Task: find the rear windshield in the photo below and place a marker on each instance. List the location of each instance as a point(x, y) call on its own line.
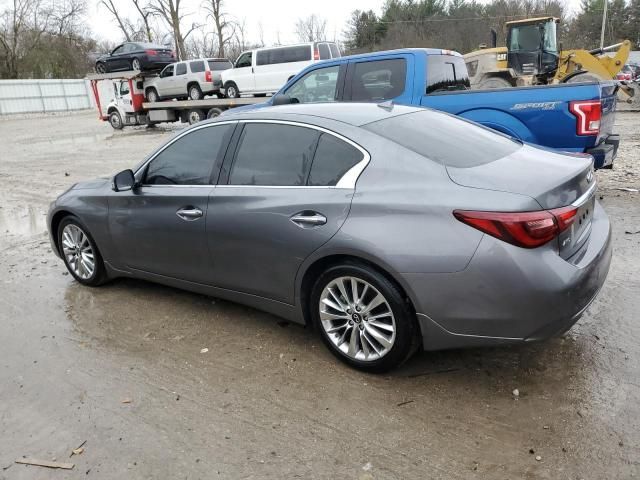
point(324, 51)
point(445, 139)
point(445, 73)
point(219, 64)
point(335, 52)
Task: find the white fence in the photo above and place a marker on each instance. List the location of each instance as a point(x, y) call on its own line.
point(41, 96)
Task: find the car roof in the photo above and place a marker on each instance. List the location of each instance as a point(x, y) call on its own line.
point(356, 114)
point(428, 51)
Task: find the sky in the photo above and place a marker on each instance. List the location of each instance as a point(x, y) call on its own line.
point(276, 18)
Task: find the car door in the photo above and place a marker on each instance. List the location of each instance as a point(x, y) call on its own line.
point(159, 226)
point(114, 60)
point(380, 79)
point(242, 73)
point(165, 81)
point(180, 77)
point(277, 202)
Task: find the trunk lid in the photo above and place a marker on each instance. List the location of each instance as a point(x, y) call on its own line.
point(553, 179)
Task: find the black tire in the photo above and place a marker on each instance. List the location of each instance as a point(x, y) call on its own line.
point(494, 82)
point(116, 120)
point(231, 90)
point(135, 64)
point(195, 115)
point(195, 93)
point(260, 95)
point(213, 112)
point(405, 320)
point(101, 68)
point(152, 95)
point(608, 167)
point(99, 275)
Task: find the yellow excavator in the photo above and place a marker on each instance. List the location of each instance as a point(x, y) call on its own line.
point(532, 57)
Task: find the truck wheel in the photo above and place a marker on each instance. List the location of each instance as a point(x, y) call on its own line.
point(101, 67)
point(231, 90)
point(135, 64)
point(116, 120)
point(152, 95)
point(194, 92)
point(195, 115)
point(583, 77)
point(494, 82)
point(213, 112)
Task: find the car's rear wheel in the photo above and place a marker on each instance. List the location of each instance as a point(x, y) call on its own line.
point(80, 253)
point(213, 112)
point(195, 93)
point(152, 95)
point(101, 67)
point(135, 64)
point(116, 120)
point(231, 90)
point(363, 317)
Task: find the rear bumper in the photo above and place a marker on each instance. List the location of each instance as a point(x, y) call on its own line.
point(211, 87)
point(605, 153)
point(511, 295)
point(152, 62)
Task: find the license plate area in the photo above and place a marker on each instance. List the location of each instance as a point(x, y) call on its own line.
point(578, 233)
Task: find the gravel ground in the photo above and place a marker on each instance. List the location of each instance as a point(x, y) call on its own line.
point(120, 366)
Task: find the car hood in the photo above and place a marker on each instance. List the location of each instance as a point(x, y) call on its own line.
point(92, 184)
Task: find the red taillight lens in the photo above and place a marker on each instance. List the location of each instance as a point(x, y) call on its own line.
point(316, 54)
point(151, 52)
point(207, 75)
point(173, 54)
point(588, 114)
point(523, 229)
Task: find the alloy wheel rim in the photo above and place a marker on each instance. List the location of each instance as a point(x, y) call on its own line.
point(78, 251)
point(357, 318)
point(195, 94)
point(231, 92)
point(194, 117)
point(135, 64)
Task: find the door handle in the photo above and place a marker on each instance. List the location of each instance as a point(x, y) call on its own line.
point(309, 219)
point(189, 213)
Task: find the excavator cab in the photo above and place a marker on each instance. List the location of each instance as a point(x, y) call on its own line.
point(532, 48)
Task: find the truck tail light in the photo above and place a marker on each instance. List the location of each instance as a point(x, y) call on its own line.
point(522, 229)
point(316, 54)
point(207, 76)
point(588, 114)
point(151, 53)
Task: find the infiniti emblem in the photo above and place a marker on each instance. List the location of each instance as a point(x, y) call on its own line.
point(356, 317)
point(590, 176)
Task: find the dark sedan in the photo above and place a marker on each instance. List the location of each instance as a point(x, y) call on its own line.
point(135, 56)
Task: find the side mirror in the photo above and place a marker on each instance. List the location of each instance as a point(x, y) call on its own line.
point(282, 99)
point(123, 181)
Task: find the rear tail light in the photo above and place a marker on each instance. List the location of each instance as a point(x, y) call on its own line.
point(522, 229)
point(173, 54)
point(316, 54)
point(151, 52)
point(588, 114)
point(207, 76)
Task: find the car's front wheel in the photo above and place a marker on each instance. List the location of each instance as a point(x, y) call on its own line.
point(195, 93)
point(152, 95)
point(116, 120)
point(80, 253)
point(363, 317)
point(231, 90)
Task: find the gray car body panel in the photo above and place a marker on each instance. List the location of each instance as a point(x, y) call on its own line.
point(467, 288)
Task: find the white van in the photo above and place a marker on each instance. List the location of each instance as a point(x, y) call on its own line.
point(264, 70)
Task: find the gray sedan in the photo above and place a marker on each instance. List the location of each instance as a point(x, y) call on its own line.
point(387, 228)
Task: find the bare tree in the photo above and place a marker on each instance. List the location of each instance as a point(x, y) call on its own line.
point(224, 28)
point(122, 22)
point(169, 12)
point(311, 29)
point(145, 13)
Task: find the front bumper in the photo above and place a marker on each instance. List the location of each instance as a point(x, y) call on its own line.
point(605, 153)
point(510, 295)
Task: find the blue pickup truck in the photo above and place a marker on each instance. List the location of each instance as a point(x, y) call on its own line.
point(570, 117)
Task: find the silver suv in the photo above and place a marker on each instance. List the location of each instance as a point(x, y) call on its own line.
point(192, 79)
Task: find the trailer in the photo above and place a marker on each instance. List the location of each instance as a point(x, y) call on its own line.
point(120, 100)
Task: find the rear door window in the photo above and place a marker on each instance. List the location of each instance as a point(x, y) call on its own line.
point(445, 139)
point(295, 54)
point(446, 73)
point(262, 57)
point(335, 51)
point(333, 158)
point(378, 80)
point(273, 154)
point(181, 69)
point(197, 66)
point(190, 160)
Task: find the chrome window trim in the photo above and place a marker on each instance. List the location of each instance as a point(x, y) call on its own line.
point(585, 196)
point(347, 181)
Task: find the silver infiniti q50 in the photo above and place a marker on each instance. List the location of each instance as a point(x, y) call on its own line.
point(386, 228)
